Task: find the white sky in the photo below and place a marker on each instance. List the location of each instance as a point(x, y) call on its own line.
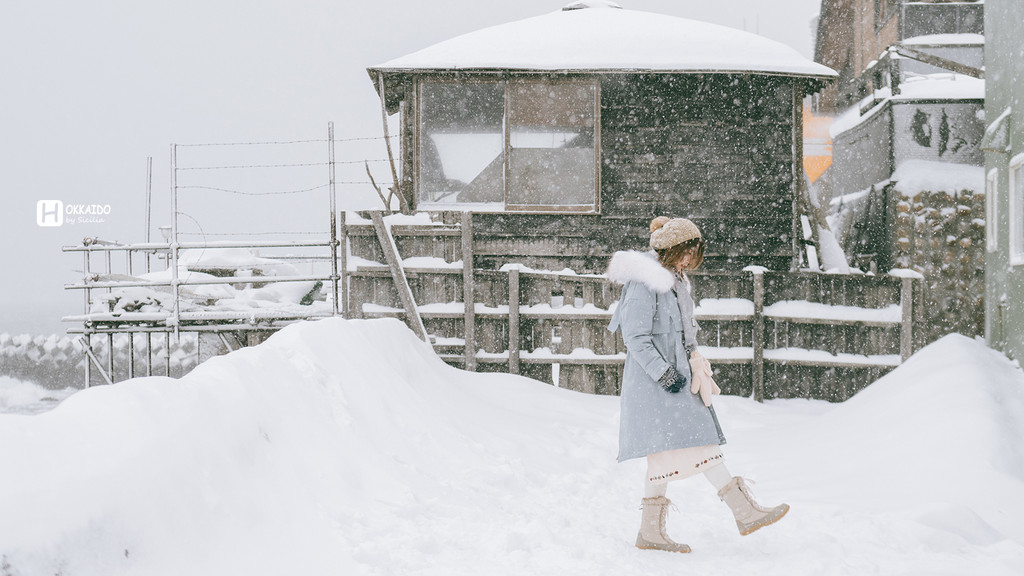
point(91, 89)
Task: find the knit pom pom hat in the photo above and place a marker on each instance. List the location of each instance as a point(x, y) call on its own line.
point(667, 232)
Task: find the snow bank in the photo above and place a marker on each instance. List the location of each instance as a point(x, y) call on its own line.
point(347, 447)
point(914, 176)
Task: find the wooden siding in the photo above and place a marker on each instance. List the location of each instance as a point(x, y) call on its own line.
point(717, 148)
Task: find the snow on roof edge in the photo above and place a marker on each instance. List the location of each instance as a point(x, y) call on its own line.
point(372, 70)
point(608, 41)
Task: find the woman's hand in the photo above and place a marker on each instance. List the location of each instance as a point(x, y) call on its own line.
point(671, 381)
point(703, 382)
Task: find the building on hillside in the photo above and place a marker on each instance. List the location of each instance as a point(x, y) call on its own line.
point(1004, 164)
point(584, 123)
point(868, 42)
point(936, 117)
point(909, 102)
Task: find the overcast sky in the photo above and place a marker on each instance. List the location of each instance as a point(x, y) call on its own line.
point(90, 89)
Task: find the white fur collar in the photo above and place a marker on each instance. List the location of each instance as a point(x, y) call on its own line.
point(643, 267)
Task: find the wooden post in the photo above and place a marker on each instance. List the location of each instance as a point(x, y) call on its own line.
point(468, 298)
point(907, 326)
point(797, 171)
point(343, 256)
point(513, 321)
point(757, 337)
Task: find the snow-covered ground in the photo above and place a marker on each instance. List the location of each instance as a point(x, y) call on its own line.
point(347, 447)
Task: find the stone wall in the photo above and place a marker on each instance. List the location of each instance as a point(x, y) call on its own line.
point(941, 234)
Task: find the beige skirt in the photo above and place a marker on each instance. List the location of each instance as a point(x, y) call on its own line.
point(678, 464)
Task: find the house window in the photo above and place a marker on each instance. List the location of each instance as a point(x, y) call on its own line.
point(462, 142)
point(991, 200)
point(1016, 192)
point(523, 144)
point(883, 10)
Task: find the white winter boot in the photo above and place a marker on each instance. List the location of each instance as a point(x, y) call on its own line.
point(750, 515)
point(652, 527)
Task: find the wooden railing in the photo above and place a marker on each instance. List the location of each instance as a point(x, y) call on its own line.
point(768, 333)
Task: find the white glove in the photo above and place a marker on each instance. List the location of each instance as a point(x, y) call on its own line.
point(701, 377)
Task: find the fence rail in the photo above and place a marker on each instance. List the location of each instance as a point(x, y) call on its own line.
point(768, 333)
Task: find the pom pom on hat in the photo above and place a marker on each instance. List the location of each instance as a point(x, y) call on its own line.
point(667, 232)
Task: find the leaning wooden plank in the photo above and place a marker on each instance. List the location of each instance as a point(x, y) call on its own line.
point(387, 243)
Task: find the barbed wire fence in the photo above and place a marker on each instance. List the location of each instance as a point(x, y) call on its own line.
point(271, 198)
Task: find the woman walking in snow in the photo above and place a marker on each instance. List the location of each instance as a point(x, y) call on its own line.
point(666, 411)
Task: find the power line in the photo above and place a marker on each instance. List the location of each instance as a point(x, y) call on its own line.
point(284, 142)
point(269, 143)
point(254, 166)
point(282, 193)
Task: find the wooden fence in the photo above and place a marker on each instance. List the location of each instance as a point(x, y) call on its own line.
point(769, 334)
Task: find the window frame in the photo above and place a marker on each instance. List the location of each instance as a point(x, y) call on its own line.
point(506, 80)
point(1016, 236)
point(992, 210)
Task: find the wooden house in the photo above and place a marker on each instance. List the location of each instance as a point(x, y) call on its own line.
point(1004, 179)
point(567, 132)
point(538, 148)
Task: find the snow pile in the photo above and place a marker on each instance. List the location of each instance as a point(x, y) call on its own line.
point(347, 447)
point(222, 279)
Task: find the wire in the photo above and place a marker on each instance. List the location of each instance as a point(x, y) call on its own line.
point(253, 193)
point(254, 166)
point(367, 138)
point(282, 142)
point(361, 161)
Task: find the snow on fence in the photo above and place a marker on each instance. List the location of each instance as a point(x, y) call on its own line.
point(224, 296)
point(770, 334)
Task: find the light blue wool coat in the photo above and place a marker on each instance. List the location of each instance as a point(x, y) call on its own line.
point(656, 317)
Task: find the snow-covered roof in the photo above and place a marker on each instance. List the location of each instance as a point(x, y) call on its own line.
point(940, 86)
point(600, 36)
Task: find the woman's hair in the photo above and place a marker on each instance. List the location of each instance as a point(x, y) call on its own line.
point(669, 256)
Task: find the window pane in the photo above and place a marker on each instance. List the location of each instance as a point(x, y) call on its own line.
point(461, 142)
point(551, 135)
